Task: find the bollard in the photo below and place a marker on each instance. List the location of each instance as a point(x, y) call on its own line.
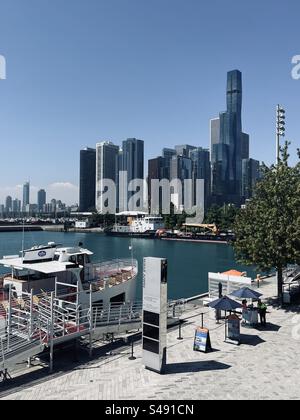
point(180, 335)
point(132, 351)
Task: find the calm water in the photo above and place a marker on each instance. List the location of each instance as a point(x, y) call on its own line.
point(189, 263)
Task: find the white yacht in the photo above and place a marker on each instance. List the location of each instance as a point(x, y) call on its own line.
point(137, 225)
point(42, 269)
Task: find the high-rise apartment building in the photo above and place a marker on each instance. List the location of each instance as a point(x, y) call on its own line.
point(201, 170)
point(41, 200)
point(107, 155)
point(87, 180)
point(8, 204)
point(250, 177)
point(26, 196)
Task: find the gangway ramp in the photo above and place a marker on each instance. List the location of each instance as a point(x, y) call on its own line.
point(36, 323)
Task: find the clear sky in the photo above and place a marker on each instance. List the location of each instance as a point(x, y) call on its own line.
point(82, 71)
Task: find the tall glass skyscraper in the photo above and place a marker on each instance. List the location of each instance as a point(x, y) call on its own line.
point(87, 187)
point(107, 155)
point(26, 195)
point(41, 200)
point(232, 147)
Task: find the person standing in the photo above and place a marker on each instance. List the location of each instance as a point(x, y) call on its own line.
point(262, 310)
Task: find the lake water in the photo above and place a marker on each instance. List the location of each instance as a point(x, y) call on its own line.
point(188, 263)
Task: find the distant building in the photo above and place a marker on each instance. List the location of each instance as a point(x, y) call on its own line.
point(220, 175)
point(181, 168)
point(184, 150)
point(133, 158)
point(201, 170)
point(107, 155)
point(8, 205)
point(26, 195)
point(41, 200)
point(214, 134)
point(157, 170)
point(168, 154)
point(245, 152)
point(131, 161)
point(87, 182)
point(250, 177)
point(16, 207)
point(229, 145)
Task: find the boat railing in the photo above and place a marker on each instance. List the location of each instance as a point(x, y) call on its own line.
point(112, 273)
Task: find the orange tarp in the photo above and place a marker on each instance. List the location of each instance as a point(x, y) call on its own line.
point(234, 273)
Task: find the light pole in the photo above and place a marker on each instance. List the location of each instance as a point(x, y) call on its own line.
point(280, 132)
point(280, 129)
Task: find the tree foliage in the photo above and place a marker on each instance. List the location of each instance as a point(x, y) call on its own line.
point(268, 229)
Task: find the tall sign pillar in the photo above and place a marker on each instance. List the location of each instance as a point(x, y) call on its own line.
point(155, 313)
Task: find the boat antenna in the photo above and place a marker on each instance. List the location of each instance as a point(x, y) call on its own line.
point(23, 239)
point(131, 249)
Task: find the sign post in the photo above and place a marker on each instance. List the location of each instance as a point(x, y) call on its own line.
point(233, 329)
point(202, 340)
point(155, 312)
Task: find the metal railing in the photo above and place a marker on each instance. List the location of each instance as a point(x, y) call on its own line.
point(34, 322)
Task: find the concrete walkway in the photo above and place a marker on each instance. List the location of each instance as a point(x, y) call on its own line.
point(266, 366)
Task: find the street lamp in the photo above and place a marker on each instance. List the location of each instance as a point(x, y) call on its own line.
point(280, 129)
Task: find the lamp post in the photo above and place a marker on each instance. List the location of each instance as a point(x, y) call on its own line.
point(280, 132)
point(280, 129)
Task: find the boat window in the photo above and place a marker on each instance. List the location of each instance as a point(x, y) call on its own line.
point(80, 259)
point(56, 257)
point(72, 259)
point(87, 259)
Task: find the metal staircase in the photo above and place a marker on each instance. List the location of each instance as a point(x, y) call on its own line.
point(37, 322)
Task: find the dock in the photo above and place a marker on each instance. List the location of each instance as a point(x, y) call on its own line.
point(265, 366)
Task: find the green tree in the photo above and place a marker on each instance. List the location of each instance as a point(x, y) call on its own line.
point(268, 229)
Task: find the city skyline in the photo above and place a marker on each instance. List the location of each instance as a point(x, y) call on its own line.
point(167, 99)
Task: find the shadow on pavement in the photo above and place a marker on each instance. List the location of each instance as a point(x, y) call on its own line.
point(251, 340)
point(187, 367)
point(269, 327)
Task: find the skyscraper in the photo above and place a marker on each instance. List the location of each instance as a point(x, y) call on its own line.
point(201, 170)
point(133, 158)
point(131, 161)
point(87, 181)
point(233, 144)
point(16, 207)
point(107, 155)
point(181, 168)
point(250, 177)
point(167, 154)
point(157, 170)
point(184, 150)
point(26, 196)
point(214, 134)
point(245, 146)
point(8, 204)
point(41, 200)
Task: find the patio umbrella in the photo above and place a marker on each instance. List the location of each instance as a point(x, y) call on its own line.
point(246, 293)
point(225, 304)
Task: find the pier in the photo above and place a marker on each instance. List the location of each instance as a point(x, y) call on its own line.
point(265, 366)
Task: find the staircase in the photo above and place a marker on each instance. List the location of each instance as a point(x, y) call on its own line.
point(34, 323)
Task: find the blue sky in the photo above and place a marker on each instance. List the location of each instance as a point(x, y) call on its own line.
point(81, 71)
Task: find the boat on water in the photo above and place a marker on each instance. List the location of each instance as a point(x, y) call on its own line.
point(137, 225)
point(41, 269)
